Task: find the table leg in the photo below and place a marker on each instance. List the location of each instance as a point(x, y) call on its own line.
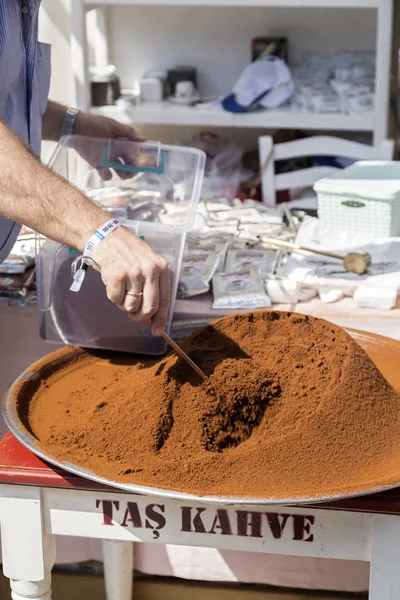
point(118, 569)
point(385, 570)
point(28, 552)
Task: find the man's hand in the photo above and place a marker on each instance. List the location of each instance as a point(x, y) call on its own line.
point(95, 126)
point(103, 127)
point(86, 124)
point(128, 264)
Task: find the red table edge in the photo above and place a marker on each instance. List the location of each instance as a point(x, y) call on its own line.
point(20, 466)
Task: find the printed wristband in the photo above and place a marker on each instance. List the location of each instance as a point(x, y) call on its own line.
point(98, 236)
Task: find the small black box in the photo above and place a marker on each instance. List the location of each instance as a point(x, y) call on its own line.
point(269, 46)
point(181, 74)
point(105, 92)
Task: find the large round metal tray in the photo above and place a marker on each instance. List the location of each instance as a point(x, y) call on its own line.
point(385, 352)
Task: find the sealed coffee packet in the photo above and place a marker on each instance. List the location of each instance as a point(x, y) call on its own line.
point(211, 246)
point(197, 271)
point(246, 258)
point(239, 290)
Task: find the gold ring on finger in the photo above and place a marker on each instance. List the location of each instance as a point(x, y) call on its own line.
point(134, 294)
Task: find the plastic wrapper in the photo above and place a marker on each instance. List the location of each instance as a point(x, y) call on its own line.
point(18, 281)
point(218, 204)
point(208, 236)
point(223, 156)
point(335, 82)
point(149, 194)
point(270, 214)
point(224, 170)
point(205, 208)
point(244, 215)
point(245, 258)
point(240, 290)
point(20, 298)
point(18, 289)
point(145, 210)
point(196, 273)
point(218, 248)
point(371, 297)
point(360, 98)
point(16, 264)
point(224, 185)
point(319, 97)
point(108, 196)
point(230, 226)
point(177, 214)
point(253, 231)
point(113, 200)
point(355, 97)
point(285, 291)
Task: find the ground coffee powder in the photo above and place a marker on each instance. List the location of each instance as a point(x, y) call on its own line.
point(293, 407)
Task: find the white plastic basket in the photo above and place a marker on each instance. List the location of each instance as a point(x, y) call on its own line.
point(363, 198)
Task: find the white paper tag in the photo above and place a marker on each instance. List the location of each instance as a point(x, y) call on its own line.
point(78, 280)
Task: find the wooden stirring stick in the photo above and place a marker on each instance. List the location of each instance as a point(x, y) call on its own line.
point(183, 355)
point(353, 262)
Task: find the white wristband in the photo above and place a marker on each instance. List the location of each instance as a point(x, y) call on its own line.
point(99, 235)
point(91, 244)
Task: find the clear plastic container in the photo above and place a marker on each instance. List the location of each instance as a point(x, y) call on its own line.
point(166, 208)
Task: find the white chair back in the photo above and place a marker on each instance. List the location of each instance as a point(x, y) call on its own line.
point(312, 146)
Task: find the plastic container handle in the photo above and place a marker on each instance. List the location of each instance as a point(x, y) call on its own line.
point(107, 164)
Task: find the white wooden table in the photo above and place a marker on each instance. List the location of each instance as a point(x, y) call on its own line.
point(38, 502)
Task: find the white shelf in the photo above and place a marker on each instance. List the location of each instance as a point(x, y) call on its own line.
point(246, 3)
point(165, 113)
point(290, 119)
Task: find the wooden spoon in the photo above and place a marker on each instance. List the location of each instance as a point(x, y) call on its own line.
point(183, 355)
point(353, 262)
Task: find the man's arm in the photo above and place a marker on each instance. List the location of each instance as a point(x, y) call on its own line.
point(52, 120)
point(33, 195)
point(86, 124)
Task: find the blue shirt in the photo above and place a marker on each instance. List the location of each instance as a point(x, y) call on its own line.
point(24, 84)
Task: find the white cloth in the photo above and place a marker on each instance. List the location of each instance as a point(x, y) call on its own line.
point(325, 272)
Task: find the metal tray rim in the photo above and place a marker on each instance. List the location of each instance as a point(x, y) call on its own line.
point(11, 418)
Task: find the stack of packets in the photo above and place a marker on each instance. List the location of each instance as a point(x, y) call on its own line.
point(17, 272)
point(377, 288)
point(227, 253)
point(229, 256)
point(340, 82)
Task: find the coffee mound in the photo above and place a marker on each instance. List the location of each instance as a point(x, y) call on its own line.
point(235, 410)
point(292, 408)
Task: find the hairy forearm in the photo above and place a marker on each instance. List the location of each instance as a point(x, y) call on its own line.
point(33, 195)
point(52, 120)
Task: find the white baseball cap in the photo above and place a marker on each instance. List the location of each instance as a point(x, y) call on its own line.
point(265, 83)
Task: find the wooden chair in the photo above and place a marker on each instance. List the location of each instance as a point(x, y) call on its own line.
point(311, 146)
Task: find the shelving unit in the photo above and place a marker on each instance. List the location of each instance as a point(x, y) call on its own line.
point(165, 113)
